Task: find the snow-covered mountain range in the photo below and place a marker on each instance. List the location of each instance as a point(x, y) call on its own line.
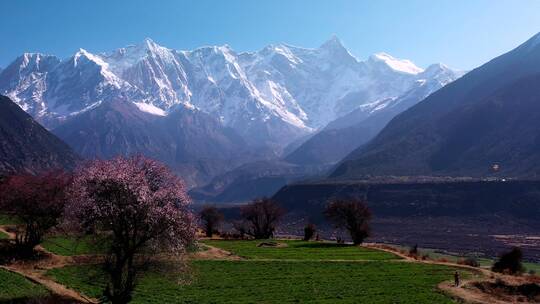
point(348, 132)
point(271, 97)
point(213, 108)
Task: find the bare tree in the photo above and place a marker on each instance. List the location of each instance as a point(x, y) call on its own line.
point(262, 216)
point(211, 219)
point(241, 227)
point(350, 214)
point(309, 231)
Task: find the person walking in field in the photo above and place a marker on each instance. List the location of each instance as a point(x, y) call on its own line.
point(456, 279)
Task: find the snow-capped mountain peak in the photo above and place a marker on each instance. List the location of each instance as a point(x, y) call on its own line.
point(441, 73)
point(32, 62)
point(285, 51)
point(333, 43)
point(334, 50)
point(33, 58)
point(83, 56)
point(269, 96)
point(400, 65)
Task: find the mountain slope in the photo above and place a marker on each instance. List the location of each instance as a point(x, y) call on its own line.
point(27, 146)
point(255, 179)
point(189, 141)
point(343, 135)
point(489, 116)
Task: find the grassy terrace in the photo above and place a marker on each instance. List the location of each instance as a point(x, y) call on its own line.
point(8, 220)
point(14, 287)
point(70, 245)
point(280, 282)
point(300, 250)
point(298, 273)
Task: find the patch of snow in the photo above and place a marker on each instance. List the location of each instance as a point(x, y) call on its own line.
point(90, 107)
point(286, 52)
point(401, 65)
point(150, 108)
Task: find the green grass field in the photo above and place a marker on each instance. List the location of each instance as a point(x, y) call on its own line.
point(299, 273)
point(280, 282)
point(74, 245)
point(14, 286)
point(300, 250)
point(71, 245)
point(3, 235)
point(8, 220)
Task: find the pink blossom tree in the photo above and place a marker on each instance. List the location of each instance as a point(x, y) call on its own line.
point(38, 203)
point(140, 207)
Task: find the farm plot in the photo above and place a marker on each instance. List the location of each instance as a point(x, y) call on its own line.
point(14, 286)
point(279, 282)
point(299, 272)
point(71, 245)
point(300, 250)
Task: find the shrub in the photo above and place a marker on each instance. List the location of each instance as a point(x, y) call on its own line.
point(510, 262)
point(469, 261)
point(309, 231)
point(351, 214)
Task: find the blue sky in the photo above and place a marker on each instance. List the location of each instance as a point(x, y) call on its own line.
point(460, 33)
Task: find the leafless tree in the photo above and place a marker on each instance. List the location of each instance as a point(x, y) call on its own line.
point(211, 219)
point(262, 216)
point(350, 214)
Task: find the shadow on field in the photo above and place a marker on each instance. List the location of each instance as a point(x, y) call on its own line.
point(51, 299)
point(322, 245)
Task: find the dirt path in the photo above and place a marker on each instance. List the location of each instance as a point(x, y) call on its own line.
point(35, 271)
point(39, 277)
point(468, 294)
point(475, 270)
point(465, 292)
point(4, 229)
point(214, 253)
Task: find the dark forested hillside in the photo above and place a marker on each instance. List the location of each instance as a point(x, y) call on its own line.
point(26, 146)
